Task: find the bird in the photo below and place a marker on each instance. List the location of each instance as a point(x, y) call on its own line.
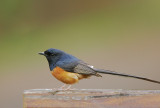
point(70, 70)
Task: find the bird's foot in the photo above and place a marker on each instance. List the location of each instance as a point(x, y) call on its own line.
point(64, 88)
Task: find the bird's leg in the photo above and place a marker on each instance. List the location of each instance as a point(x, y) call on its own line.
point(62, 87)
point(58, 89)
point(69, 87)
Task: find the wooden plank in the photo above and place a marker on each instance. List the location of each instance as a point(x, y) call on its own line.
point(91, 98)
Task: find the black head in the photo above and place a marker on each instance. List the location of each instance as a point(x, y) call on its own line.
point(51, 52)
point(52, 55)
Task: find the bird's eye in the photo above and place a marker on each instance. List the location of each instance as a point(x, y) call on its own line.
point(52, 54)
point(47, 53)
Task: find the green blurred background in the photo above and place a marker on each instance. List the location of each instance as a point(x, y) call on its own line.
point(120, 35)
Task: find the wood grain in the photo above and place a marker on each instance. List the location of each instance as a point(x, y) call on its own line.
point(87, 98)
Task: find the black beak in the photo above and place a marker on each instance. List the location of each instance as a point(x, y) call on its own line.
point(41, 53)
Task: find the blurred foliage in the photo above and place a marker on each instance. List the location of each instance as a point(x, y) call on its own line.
point(121, 35)
point(27, 27)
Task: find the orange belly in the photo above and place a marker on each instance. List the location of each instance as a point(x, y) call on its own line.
point(67, 77)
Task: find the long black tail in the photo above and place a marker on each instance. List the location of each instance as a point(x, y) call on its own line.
point(125, 75)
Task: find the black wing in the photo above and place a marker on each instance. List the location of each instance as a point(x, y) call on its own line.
point(83, 68)
point(79, 67)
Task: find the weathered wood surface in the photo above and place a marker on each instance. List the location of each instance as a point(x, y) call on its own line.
point(91, 98)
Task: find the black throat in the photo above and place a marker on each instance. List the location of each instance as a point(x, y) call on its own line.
point(52, 62)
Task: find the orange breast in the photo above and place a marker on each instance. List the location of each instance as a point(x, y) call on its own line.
point(65, 77)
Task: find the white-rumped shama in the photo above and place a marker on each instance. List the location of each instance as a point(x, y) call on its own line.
point(69, 69)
